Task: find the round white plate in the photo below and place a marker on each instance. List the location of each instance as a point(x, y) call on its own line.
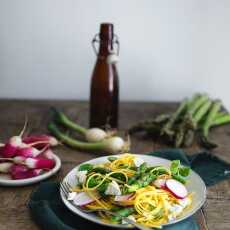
point(5, 181)
point(195, 184)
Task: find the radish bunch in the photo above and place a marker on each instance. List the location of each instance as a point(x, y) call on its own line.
point(27, 157)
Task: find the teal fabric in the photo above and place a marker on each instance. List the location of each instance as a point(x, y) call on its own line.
point(210, 168)
point(48, 211)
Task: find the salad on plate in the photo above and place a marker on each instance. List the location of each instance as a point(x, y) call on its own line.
point(149, 195)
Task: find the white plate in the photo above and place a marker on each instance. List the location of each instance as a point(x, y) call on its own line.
point(195, 184)
point(9, 182)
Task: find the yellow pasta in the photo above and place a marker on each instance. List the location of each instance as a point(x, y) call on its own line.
point(152, 205)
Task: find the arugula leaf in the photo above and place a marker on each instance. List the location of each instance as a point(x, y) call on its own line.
point(184, 171)
point(179, 172)
point(85, 167)
point(175, 166)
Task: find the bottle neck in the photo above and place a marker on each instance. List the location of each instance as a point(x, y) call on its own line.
point(106, 46)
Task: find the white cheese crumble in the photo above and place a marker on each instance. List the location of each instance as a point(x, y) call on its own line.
point(177, 209)
point(184, 202)
point(129, 217)
point(138, 161)
point(113, 189)
point(81, 176)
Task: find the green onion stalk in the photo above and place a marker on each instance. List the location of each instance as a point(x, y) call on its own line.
point(91, 135)
point(108, 145)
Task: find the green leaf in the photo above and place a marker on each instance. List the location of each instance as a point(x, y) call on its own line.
point(102, 188)
point(179, 178)
point(93, 182)
point(184, 171)
point(174, 168)
point(111, 159)
point(85, 167)
point(119, 176)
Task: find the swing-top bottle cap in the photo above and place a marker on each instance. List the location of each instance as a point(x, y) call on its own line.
point(106, 31)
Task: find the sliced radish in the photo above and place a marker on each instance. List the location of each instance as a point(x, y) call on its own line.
point(176, 188)
point(82, 199)
point(123, 197)
point(160, 183)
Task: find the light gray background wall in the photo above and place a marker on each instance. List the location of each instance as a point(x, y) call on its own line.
point(169, 48)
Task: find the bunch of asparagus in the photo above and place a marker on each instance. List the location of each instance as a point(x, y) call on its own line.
point(192, 120)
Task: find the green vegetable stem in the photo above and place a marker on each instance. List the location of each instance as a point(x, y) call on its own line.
point(124, 212)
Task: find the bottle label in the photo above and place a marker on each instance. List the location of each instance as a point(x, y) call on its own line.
point(112, 58)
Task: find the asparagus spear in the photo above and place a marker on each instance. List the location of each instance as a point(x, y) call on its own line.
point(208, 123)
point(189, 137)
point(211, 116)
point(201, 112)
point(167, 128)
point(198, 114)
point(142, 169)
point(143, 181)
point(187, 121)
point(150, 126)
point(198, 101)
point(124, 212)
point(221, 119)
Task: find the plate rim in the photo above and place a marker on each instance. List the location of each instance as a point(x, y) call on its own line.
point(29, 181)
point(70, 206)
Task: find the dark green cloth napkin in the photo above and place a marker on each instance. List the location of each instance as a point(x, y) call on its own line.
point(48, 211)
point(210, 168)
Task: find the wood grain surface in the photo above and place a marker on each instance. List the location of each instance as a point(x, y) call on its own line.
point(215, 215)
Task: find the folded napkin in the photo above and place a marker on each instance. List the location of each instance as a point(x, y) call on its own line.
point(49, 212)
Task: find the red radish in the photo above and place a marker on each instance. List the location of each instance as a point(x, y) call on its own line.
point(39, 163)
point(19, 159)
point(5, 167)
point(11, 146)
point(176, 188)
point(123, 197)
point(40, 141)
point(82, 199)
point(48, 154)
point(22, 172)
point(30, 151)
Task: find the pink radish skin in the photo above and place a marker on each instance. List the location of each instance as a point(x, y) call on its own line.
point(46, 139)
point(176, 188)
point(28, 152)
point(10, 148)
point(82, 199)
point(48, 154)
point(123, 197)
point(22, 172)
point(39, 163)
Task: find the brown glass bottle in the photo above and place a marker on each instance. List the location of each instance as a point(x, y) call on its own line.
point(104, 94)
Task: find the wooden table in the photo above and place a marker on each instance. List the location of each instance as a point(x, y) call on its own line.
point(14, 214)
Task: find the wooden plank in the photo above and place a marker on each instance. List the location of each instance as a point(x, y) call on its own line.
point(12, 119)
